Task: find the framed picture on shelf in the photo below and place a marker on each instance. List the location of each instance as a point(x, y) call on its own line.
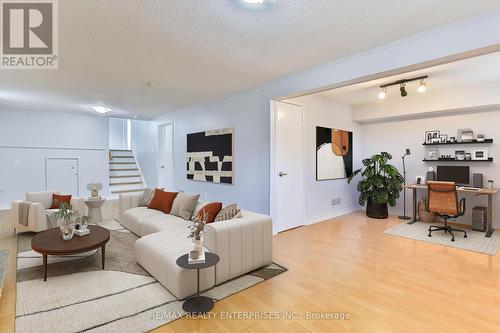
point(460, 155)
point(443, 138)
point(480, 154)
point(432, 136)
point(433, 154)
point(465, 135)
point(452, 139)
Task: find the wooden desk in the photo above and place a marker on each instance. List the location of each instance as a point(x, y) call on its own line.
point(484, 191)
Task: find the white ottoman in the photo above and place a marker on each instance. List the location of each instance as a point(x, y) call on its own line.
point(157, 253)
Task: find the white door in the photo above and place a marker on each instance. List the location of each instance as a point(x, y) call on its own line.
point(166, 167)
point(62, 175)
point(289, 177)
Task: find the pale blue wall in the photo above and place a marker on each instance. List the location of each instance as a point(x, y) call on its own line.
point(248, 114)
point(145, 148)
point(27, 138)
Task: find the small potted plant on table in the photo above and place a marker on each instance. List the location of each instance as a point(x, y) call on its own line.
point(67, 216)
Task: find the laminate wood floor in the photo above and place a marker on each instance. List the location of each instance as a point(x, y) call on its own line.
point(347, 266)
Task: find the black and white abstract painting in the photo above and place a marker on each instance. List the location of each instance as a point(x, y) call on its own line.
point(210, 156)
point(333, 153)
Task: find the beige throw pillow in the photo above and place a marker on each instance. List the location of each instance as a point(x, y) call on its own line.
point(184, 205)
point(146, 197)
point(227, 213)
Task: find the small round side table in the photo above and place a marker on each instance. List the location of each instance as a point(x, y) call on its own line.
point(95, 212)
point(198, 304)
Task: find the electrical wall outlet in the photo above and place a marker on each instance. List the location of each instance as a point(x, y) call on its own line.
point(336, 201)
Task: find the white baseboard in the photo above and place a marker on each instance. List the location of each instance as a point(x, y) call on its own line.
point(329, 215)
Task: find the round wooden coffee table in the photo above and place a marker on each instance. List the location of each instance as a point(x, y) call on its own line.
point(50, 243)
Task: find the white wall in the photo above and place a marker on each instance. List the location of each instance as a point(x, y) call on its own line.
point(145, 147)
point(394, 137)
point(118, 133)
point(248, 112)
point(324, 112)
point(28, 137)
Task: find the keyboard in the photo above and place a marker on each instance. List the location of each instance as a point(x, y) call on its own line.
point(468, 188)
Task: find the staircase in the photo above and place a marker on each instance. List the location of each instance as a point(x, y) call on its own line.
point(124, 173)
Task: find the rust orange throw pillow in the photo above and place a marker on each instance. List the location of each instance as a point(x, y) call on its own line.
point(212, 210)
point(58, 199)
point(162, 201)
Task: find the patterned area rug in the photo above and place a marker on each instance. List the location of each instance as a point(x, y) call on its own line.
point(78, 296)
point(475, 241)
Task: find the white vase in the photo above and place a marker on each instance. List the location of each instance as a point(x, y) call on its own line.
point(198, 246)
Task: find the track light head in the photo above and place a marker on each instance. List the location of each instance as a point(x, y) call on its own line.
point(403, 91)
point(422, 87)
point(383, 93)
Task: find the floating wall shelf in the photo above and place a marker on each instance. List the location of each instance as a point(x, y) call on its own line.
point(454, 160)
point(474, 142)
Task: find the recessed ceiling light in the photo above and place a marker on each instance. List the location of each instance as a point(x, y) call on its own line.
point(101, 108)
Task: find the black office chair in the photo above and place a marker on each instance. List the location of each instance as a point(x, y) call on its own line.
point(443, 201)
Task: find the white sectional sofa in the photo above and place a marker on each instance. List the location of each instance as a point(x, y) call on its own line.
point(243, 244)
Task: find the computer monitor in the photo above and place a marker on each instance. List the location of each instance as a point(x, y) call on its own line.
point(458, 174)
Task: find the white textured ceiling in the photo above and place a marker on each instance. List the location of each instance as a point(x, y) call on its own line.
point(476, 71)
point(201, 50)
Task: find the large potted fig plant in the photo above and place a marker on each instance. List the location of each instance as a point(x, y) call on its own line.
point(379, 186)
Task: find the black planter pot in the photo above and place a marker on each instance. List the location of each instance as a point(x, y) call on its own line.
point(376, 211)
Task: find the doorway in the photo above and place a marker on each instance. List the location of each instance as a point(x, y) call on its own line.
point(166, 156)
point(287, 176)
point(62, 174)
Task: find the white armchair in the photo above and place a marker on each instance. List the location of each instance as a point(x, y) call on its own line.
point(37, 214)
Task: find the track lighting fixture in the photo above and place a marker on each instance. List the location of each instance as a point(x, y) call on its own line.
point(422, 87)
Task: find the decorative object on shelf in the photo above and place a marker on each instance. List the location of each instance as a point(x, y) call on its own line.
point(432, 136)
point(404, 216)
point(468, 156)
point(480, 137)
point(491, 183)
point(420, 179)
point(380, 185)
point(433, 154)
point(480, 154)
point(465, 135)
point(452, 139)
point(94, 189)
point(67, 218)
point(196, 230)
point(333, 153)
point(443, 138)
point(210, 156)
point(460, 155)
